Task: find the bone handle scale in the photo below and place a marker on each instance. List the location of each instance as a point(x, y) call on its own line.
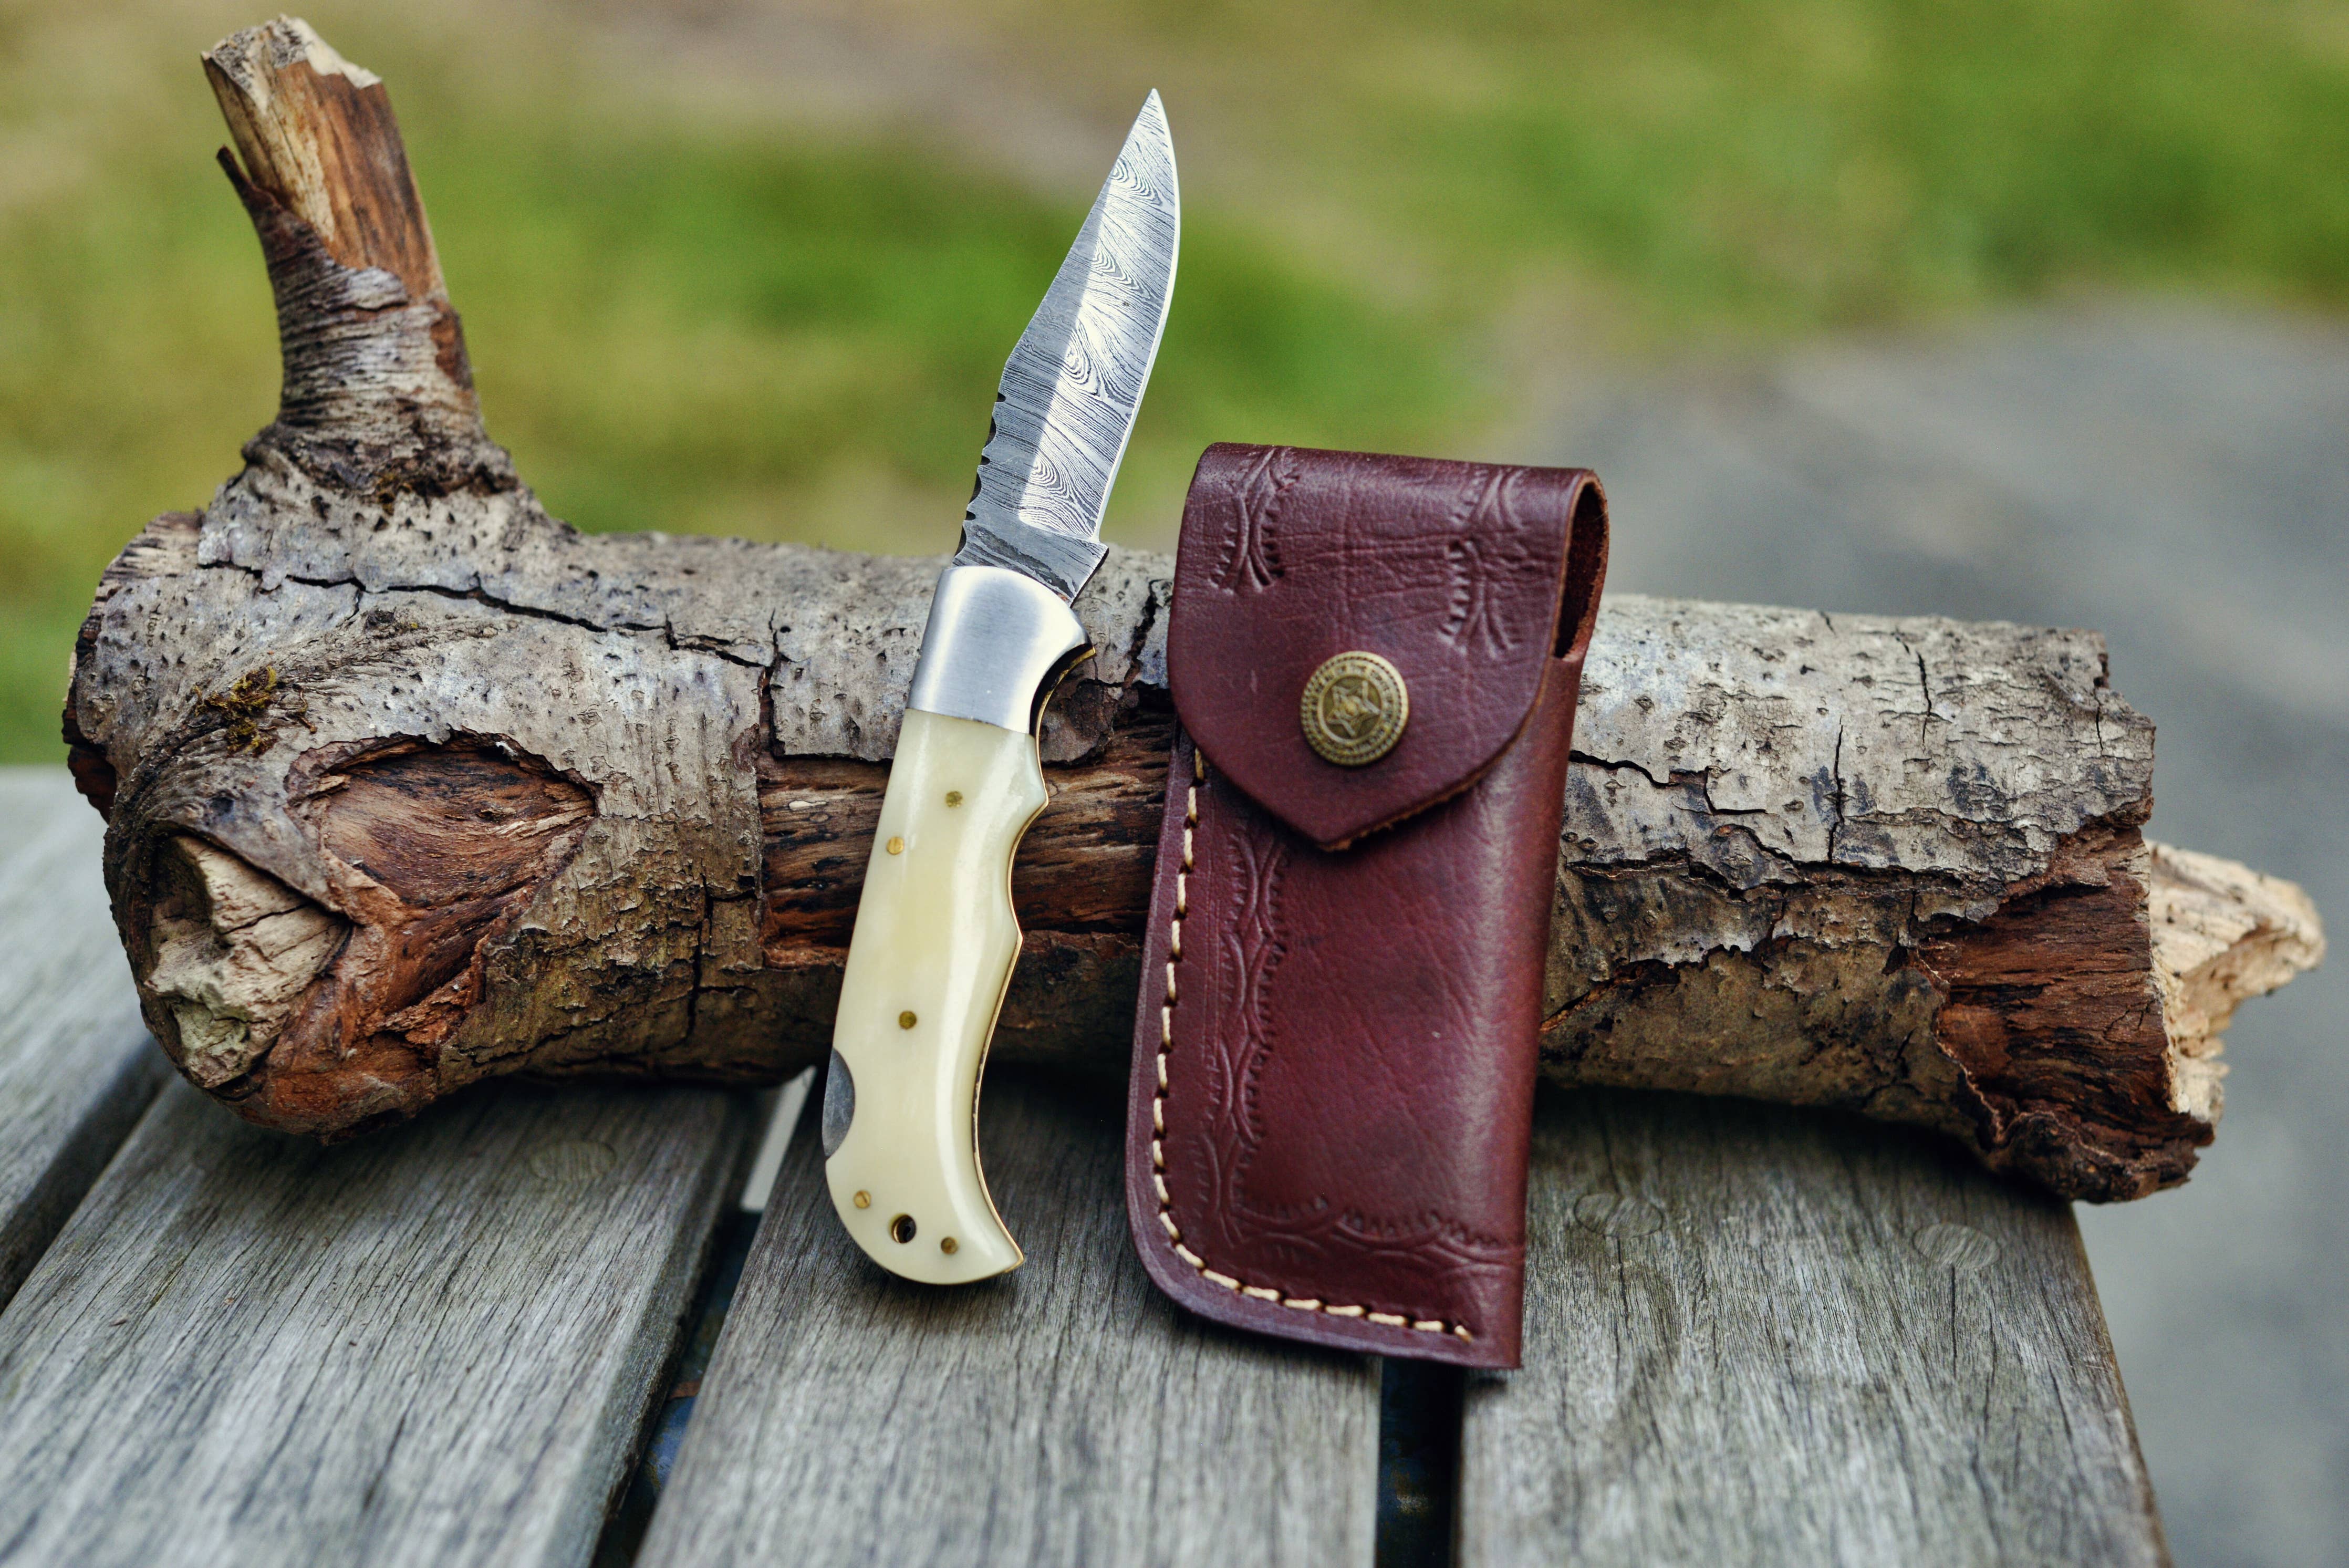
point(936, 937)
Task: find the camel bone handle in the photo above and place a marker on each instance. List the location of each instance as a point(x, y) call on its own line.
point(935, 938)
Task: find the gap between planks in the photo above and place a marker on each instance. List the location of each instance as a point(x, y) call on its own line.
point(1849, 1344)
point(435, 1345)
point(1065, 1414)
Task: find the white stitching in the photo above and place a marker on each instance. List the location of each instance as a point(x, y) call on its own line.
point(1158, 1120)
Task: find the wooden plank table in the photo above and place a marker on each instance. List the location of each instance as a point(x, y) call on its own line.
point(76, 1063)
point(1066, 1413)
point(434, 1346)
point(1763, 1335)
point(1754, 1336)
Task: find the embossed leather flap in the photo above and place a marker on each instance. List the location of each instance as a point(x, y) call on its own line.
point(1464, 577)
point(1331, 1099)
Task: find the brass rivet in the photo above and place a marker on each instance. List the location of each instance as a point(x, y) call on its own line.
point(905, 1020)
point(953, 797)
point(947, 1245)
point(1354, 708)
point(896, 847)
point(901, 1228)
point(864, 1201)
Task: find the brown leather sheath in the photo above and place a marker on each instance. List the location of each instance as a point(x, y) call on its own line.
point(1334, 1057)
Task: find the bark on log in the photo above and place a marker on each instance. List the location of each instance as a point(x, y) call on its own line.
point(410, 785)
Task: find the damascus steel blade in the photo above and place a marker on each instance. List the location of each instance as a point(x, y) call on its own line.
point(1075, 379)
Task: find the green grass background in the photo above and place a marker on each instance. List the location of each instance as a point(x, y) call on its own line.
point(1405, 218)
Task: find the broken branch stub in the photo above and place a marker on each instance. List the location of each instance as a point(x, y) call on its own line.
point(410, 785)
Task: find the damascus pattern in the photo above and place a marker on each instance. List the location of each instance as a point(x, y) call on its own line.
point(1075, 379)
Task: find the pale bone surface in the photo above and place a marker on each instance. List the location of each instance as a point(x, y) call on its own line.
point(1758, 1335)
point(1775, 814)
point(433, 1347)
point(1770, 806)
point(1065, 1413)
point(76, 1063)
point(641, 662)
point(1722, 1297)
point(637, 662)
point(934, 945)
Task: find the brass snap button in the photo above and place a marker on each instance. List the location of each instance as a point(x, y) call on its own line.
point(1354, 708)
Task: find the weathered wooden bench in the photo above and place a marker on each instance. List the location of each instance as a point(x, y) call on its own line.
point(1754, 1336)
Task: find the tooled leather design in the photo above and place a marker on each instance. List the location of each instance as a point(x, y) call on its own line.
point(1301, 1217)
point(1335, 1057)
point(1252, 956)
point(1489, 558)
point(1288, 1043)
point(1244, 1038)
point(1225, 1039)
point(1248, 951)
point(1250, 558)
point(1450, 571)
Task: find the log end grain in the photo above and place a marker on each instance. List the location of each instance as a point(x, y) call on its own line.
point(409, 784)
point(2221, 934)
point(431, 852)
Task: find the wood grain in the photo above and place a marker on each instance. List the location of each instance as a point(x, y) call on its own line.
point(433, 1347)
point(1759, 1335)
point(316, 133)
point(77, 1065)
point(1807, 857)
point(378, 386)
point(1065, 1414)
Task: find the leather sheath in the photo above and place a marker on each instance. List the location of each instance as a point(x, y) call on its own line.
point(1336, 1044)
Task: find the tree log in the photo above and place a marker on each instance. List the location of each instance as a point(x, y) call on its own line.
point(409, 784)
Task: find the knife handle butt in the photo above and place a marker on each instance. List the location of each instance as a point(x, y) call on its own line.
point(933, 950)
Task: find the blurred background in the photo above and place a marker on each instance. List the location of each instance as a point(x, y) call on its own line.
point(2028, 309)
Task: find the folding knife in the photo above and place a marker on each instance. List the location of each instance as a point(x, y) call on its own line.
point(935, 938)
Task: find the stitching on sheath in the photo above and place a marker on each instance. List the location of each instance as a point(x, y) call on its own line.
point(1158, 1120)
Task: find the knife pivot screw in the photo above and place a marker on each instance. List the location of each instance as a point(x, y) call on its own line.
point(947, 1246)
point(953, 797)
point(896, 847)
point(906, 1020)
point(901, 1228)
point(863, 1200)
